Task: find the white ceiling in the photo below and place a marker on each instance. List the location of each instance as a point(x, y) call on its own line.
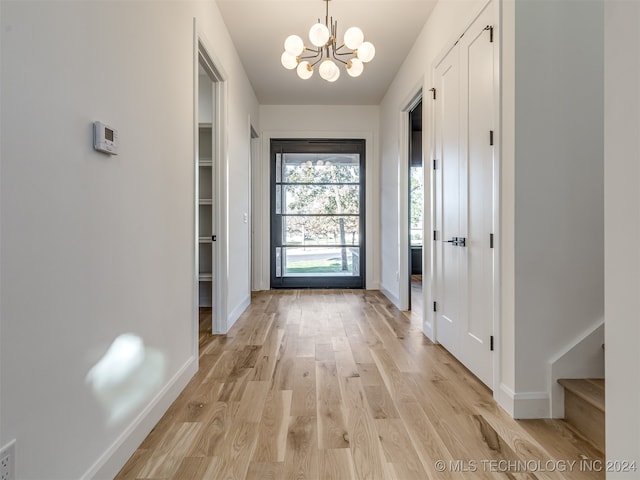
point(259, 28)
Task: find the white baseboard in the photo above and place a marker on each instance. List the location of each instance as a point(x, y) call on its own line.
point(115, 457)
point(427, 329)
point(373, 285)
point(236, 312)
point(504, 397)
point(394, 299)
point(523, 405)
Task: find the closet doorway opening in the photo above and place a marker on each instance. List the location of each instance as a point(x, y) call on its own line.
point(208, 189)
point(317, 213)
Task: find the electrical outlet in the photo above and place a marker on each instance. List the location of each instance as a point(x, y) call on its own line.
point(8, 461)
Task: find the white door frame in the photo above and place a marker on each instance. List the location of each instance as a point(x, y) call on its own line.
point(254, 196)
point(404, 276)
point(220, 167)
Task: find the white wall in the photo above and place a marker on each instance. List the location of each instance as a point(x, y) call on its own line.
point(445, 24)
point(315, 121)
point(243, 112)
point(622, 231)
point(2, 439)
point(558, 191)
point(505, 240)
point(93, 247)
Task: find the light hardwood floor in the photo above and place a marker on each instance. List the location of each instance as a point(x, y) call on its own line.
point(415, 315)
point(341, 385)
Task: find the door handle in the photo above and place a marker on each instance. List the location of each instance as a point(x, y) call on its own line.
point(457, 241)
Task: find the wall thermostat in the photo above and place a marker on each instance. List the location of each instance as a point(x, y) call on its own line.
point(105, 138)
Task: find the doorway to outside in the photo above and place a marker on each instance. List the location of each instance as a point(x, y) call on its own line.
point(416, 207)
point(317, 213)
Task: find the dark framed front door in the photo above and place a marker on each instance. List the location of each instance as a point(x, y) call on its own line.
point(317, 213)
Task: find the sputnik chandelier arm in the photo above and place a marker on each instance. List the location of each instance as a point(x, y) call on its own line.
point(353, 53)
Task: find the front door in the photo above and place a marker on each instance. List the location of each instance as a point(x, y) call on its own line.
point(317, 213)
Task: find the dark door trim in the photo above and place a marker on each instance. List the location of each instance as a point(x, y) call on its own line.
point(317, 146)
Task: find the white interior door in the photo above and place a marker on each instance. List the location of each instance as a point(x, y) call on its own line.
point(476, 61)
point(448, 202)
point(464, 199)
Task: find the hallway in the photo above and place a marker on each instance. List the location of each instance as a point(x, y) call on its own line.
point(341, 385)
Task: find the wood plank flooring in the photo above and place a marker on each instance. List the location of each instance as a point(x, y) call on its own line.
point(341, 385)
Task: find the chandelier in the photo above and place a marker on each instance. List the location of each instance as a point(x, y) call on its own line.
point(353, 53)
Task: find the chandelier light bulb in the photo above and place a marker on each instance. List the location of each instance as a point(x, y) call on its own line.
point(353, 38)
point(319, 34)
point(328, 69)
point(304, 70)
point(366, 52)
point(335, 76)
point(355, 67)
point(289, 61)
point(293, 45)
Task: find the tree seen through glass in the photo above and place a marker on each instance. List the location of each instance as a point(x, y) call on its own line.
point(317, 186)
point(416, 194)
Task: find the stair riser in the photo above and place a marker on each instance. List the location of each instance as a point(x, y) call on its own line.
point(585, 418)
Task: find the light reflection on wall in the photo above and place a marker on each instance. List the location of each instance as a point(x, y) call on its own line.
point(126, 376)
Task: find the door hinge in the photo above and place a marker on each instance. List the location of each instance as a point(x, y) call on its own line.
point(435, 235)
point(491, 137)
point(491, 240)
point(213, 238)
point(435, 164)
point(435, 306)
point(490, 28)
point(433, 90)
point(491, 342)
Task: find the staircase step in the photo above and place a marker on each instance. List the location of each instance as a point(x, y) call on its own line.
point(584, 408)
point(591, 390)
